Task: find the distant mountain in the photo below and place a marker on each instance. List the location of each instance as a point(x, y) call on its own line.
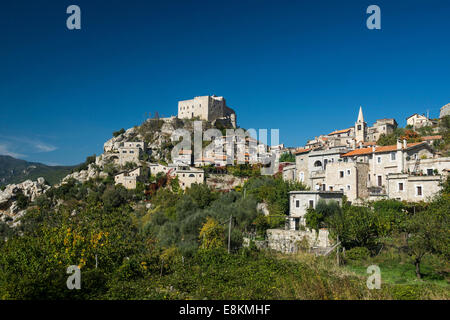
point(15, 171)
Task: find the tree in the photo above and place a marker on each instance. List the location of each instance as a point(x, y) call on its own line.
point(429, 231)
point(212, 234)
point(356, 227)
point(315, 218)
point(287, 157)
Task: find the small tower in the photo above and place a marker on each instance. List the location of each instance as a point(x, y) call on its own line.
point(360, 127)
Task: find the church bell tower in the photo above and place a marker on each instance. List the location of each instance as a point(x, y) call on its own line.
point(360, 128)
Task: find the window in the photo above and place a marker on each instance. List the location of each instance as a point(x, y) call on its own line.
point(359, 127)
point(378, 159)
point(392, 156)
point(331, 188)
point(400, 186)
point(341, 174)
point(297, 203)
point(348, 187)
point(380, 181)
point(348, 172)
point(419, 191)
point(311, 204)
point(302, 176)
point(191, 175)
point(429, 172)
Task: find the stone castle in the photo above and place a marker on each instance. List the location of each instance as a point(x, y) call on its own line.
point(208, 108)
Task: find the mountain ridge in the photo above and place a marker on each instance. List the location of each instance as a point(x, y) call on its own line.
point(14, 170)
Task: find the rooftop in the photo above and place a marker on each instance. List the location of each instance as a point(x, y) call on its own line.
point(381, 149)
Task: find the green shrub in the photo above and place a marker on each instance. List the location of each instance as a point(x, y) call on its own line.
point(357, 253)
point(405, 292)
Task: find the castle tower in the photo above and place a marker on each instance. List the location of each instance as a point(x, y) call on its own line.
point(360, 127)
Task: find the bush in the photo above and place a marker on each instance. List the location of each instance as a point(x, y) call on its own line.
point(22, 200)
point(357, 253)
point(405, 292)
point(118, 133)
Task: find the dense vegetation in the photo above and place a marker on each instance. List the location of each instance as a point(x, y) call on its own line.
point(443, 129)
point(170, 244)
point(419, 229)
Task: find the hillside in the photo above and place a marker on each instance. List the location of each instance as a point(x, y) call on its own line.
point(15, 171)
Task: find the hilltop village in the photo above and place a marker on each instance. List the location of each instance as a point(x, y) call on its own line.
point(357, 164)
point(354, 164)
point(348, 161)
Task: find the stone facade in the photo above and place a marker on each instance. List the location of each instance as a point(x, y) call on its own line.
point(187, 177)
point(289, 241)
point(349, 178)
point(300, 201)
point(418, 121)
point(130, 178)
point(208, 108)
point(131, 152)
point(402, 186)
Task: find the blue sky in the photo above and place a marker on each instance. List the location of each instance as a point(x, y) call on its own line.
point(303, 67)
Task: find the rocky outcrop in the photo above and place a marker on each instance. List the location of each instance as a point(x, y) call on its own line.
point(8, 197)
point(445, 111)
point(224, 181)
point(93, 171)
point(113, 144)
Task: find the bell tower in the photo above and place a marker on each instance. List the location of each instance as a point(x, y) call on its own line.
point(360, 127)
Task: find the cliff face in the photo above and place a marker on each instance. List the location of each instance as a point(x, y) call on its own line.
point(15, 197)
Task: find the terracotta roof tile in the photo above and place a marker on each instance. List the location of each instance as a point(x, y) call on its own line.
point(302, 150)
point(381, 149)
point(339, 131)
point(425, 138)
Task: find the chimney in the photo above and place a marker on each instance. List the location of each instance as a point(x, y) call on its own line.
point(399, 144)
point(404, 144)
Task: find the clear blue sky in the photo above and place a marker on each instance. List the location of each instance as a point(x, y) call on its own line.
point(303, 67)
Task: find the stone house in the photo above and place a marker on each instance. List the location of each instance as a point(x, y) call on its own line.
point(188, 176)
point(349, 178)
point(301, 165)
point(156, 168)
point(130, 178)
point(414, 188)
point(289, 172)
point(383, 160)
point(318, 161)
point(300, 201)
point(131, 152)
point(431, 139)
point(381, 126)
point(418, 121)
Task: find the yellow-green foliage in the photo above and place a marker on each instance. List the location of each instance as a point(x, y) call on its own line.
point(211, 234)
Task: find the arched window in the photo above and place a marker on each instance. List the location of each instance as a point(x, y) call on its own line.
point(317, 164)
point(191, 175)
